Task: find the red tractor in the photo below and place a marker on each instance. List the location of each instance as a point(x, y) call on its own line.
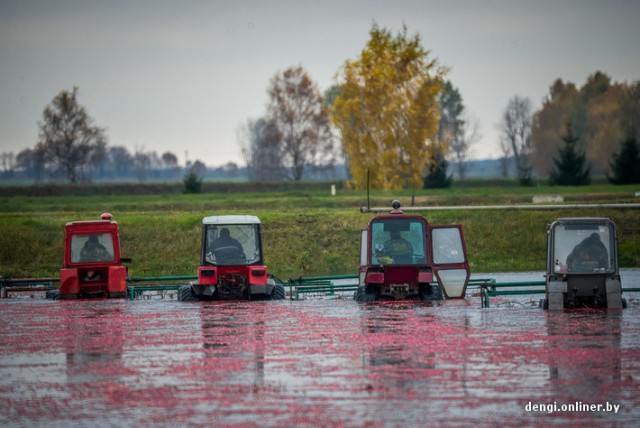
point(231, 264)
point(404, 257)
point(92, 263)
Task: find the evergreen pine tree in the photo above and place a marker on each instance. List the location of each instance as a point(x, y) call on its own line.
point(625, 165)
point(437, 176)
point(570, 168)
point(192, 183)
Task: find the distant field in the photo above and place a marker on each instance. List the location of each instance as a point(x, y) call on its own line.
point(306, 232)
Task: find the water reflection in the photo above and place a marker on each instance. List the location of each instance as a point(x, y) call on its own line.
point(409, 367)
point(233, 335)
point(93, 344)
point(329, 363)
point(390, 330)
point(585, 358)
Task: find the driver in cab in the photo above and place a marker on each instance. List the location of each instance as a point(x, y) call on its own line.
point(227, 247)
point(395, 250)
point(94, 251)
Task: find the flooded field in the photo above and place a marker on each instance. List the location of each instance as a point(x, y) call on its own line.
point(315, 362)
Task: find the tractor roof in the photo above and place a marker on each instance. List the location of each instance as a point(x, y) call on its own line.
point(231, 219)
point(105, 219)
point(81, 223)
point(584, 219)
point(397, 217)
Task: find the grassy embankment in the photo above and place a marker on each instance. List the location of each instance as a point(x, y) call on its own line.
point(304, 232)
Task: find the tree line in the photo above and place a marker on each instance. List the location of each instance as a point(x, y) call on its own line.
point(392, 118)
point(96, 162)
point(72, 148)
point(577, 132)
point(401, 124)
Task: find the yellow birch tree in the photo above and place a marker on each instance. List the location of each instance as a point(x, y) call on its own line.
point(387, 110)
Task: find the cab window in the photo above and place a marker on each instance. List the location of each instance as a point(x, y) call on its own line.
point(96, 247)
point(447, 245)
point(398, 241)
point(584, 248)
point(232, 244)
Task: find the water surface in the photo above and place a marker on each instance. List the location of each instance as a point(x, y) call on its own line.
point(312, 363)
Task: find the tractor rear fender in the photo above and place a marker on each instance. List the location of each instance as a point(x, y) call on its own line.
point(613, 284)
point(375, 278)
point(258, 275)
point(425, 276)
point(69, 283)
point(557, 286)
point(117, 279)
point(613, 287)
point(266, 288)
point(207, 275)
point(261, 289)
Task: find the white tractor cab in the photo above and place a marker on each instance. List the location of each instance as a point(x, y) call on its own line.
point(404, 257)
point(231, 264)
point(582, 265)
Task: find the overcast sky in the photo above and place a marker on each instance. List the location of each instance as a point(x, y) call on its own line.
point(183, 76)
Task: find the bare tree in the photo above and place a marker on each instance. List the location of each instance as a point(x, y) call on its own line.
point(170, 168)
point(261, 149)
point(456, 128)
point(467, 135)
point(516, 131)
point(8, 162)
point(69, 140)
point(155, 161)
point(122, 163)
point(96, 159)
point(141, 164)
point(198, 168)
point(169, 160)
point(297, 108)
point(31, 161)
point(505, 151)
point(448, 138)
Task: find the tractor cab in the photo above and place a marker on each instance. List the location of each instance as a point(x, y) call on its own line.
point(582, 265)
point(92, 263)
point(231, 263)
point(403, 256)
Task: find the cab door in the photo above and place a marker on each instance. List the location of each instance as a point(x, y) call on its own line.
point(449, 259)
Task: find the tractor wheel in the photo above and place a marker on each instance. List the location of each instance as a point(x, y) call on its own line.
point(362, 295)
point(52, 294)
point(278, 292)
point(185, 294)
point(431, 292)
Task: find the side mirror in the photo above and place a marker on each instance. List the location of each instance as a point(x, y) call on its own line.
point(125, 260)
